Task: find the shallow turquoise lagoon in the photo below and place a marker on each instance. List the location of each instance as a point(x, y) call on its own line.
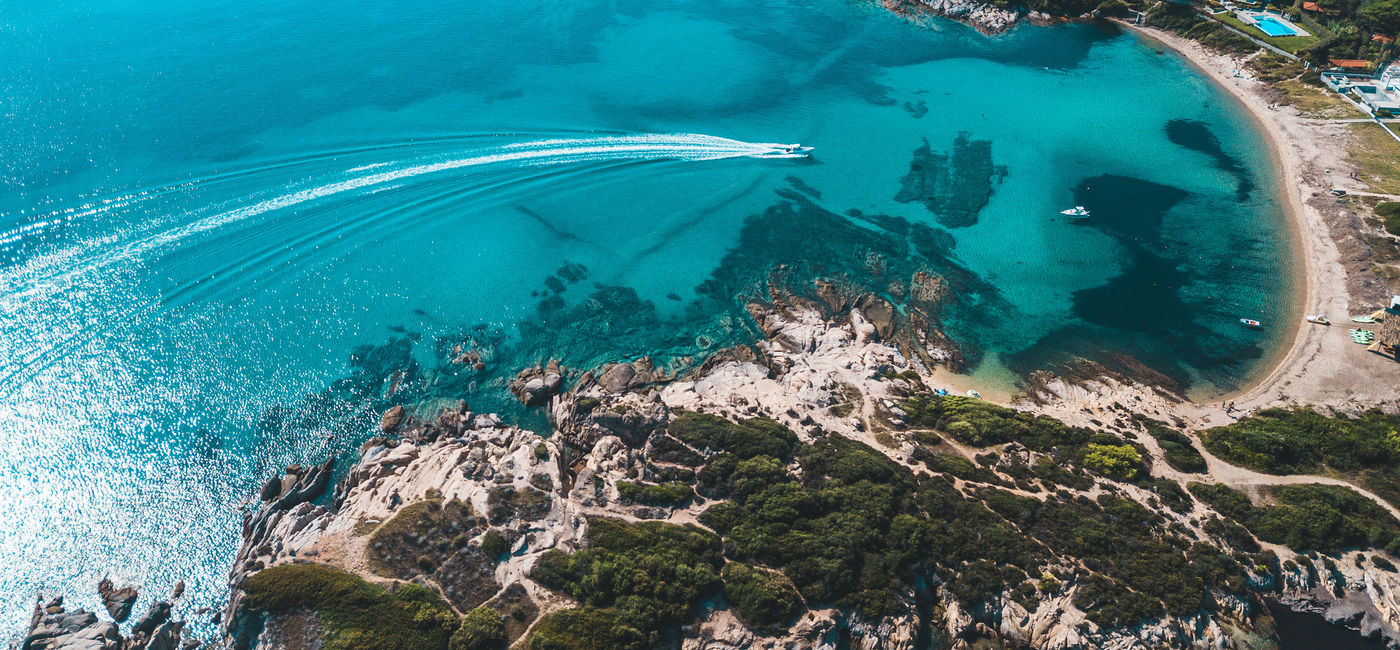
point(230, 233)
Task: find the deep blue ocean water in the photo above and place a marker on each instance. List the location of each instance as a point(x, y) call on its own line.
point(231, 231)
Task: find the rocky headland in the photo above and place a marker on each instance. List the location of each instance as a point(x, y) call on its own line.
point(807, 491)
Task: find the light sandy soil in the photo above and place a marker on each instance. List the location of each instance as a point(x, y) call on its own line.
point(1322, 365)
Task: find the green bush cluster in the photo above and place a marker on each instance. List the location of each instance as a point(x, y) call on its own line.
point(505, 503)
point(356, 614)
point(759, 436)
point(830, 532)
point(1143, 570)
point(429, 537)
point(494, 545)
point(649, 575)
point(1389, 212)
point(1118, 462)
point(765, 600)
point(1300, 441)
point(850, 527)
point(1325, 518)
point(1303, 441)
point(664, 494)
point(482, 628)
point(981, 424)
point(1176, 446)
point(584, 628)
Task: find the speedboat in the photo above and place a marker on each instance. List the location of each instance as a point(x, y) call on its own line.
point(1319, 319)
point(974, 394)
point(779, 150)
point(1250, 322)
point(1078, 212)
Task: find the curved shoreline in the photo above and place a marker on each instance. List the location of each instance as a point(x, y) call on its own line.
point(1320, 366)
point(1304, 262)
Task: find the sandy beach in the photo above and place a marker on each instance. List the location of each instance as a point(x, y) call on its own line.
point(1322, 366)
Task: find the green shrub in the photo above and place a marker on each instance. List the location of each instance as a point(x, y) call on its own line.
point(482, 629)
point(424, 537)
point(357, 615)
point(1299, 441)
point(1176, 446)
point(664, 494)
point(504, 503)
point(979, 423)
point(1229, 502)
point(1390, 213)
point(494, 545)
point(1325, 518)
point(766, 600)
point(584, 628)
point(759, 436)
point(1302, 441)
point(1171, 495)
point(585, 405)
point(650, 574)
point(1116, 8)
point(1120, 462)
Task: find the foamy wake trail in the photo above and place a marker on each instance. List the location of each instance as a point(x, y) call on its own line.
point(681, 146)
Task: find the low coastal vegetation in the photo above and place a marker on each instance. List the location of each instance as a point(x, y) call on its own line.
point(1302, 441)
point(981, 424)
point(764, 599)
point(641, 581)
point(482, 628)
point(791, 524)
point(433, 537)
point(356, 615)
point(1377, 157)
point(665, 494)
point(1176, 446)
point(1325, 518)
point(834, 522)
point(1389, 212)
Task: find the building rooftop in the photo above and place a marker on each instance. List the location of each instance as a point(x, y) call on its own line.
point(1350, 63)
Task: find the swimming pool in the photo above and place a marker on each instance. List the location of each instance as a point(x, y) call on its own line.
point(1275, 27)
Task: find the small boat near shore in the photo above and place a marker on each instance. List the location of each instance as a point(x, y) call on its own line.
point(1363, 319)
point(974, 394)
point(1251, 323)
point(1078, 212)
point(1319, 320)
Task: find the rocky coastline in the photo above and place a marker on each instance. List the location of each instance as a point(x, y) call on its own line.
point(984, 17)
point(470, 507)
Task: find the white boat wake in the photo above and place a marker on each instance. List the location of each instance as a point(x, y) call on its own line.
point(47, 291)
point(45, 278)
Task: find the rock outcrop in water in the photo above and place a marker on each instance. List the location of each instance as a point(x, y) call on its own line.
point(52, 627)
point(504, 525)
point(985, 17)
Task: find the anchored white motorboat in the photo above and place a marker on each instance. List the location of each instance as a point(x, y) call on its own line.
point(1078, 212)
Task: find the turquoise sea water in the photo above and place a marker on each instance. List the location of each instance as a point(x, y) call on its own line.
point(230, 233)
